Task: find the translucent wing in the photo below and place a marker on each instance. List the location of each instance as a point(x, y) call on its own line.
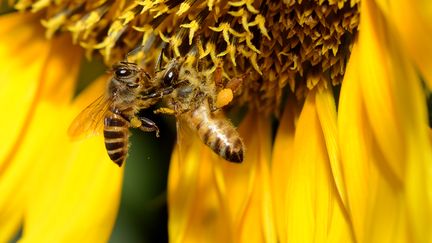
point(89, 121)
point(186, 139)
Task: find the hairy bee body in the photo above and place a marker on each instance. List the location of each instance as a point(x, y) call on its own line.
point(193, 101)
point(116, 135)
point(116, 111)
point(216, 132)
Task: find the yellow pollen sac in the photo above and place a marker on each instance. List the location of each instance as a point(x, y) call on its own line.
point(224, 97)
point(135, 122)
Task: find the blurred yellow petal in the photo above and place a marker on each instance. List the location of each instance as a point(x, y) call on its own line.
point(413, 22)
point(246, 188)
point(196, 212)
point(375, 204)
point(395, 107)
point(212, 200)
point(77, 187)
point(64, 192)
point(23, 54)
point(283, 151)
point(313, 210)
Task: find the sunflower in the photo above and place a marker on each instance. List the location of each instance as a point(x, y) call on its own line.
point(338, 146)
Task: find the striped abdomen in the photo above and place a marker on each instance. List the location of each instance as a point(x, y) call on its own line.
point(116, 133)
point(217, 133)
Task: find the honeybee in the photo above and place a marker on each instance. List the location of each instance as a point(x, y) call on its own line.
point(193, 101)
point(128, 91)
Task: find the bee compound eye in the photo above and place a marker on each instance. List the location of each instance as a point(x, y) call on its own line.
point(170, 77)
point(123, 72)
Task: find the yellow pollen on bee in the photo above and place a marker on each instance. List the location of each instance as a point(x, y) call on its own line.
point(164, 110)
point(224, 97)
point(135, 122)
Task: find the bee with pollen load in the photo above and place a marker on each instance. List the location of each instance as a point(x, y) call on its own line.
point(196, 101)
point(189, 94)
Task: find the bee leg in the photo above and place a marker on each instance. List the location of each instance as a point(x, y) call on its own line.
point(148, 125)
point(163, 92)
point(235, 84)
point(158, 94)
point(218, 73)
point(144, 124)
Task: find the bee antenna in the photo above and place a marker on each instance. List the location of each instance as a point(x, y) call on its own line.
point(147, 75)
point(160, 59)
point(127, 63)
point(134, 51)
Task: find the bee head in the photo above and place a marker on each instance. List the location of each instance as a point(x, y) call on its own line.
point(171, 75)
point(127, 73)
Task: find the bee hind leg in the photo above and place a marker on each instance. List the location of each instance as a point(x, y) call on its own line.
point(144, 124)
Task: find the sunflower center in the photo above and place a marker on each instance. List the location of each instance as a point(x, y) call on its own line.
point(271, 44)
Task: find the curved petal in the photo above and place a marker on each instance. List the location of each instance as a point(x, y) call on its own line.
point(283, 151)
point(326, 110)
point(395, 106)
point(212, 200)
point(313, 210)
point(375, 203)
point(246, 188)
point(413, 22)
point(195, 210)
point(23, 54)
point(75, 186)
point(58, 188)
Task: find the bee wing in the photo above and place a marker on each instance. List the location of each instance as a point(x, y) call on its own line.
point(186, 138)
point(89, 121)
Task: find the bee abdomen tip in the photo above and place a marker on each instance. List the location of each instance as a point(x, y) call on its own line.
point(234, 156)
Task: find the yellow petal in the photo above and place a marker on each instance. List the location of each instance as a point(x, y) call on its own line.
point(326, 109)
point(379, 84)
point(75, 187)
point(246, 187)
point(313, 210)
point(23, 54)
point(413, 22)
point(395, 106)
point(62, 188)
point(195, 210)
point(212, 200)
point(283, 152)
point(374, 202)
